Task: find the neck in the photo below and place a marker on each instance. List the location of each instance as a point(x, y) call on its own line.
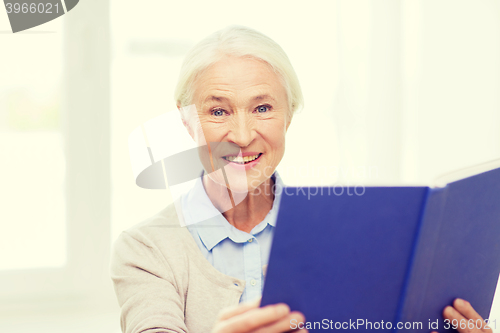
point(250, 211)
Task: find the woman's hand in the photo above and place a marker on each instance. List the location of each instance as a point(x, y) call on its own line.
point(464, 318)
point(250, 318)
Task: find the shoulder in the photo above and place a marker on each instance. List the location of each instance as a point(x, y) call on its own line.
point(165, 219)
point(161, 235)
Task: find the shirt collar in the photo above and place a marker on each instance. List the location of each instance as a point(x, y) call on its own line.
point(211, 226)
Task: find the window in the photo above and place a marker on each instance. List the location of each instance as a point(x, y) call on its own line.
point(55, 188)
point(31, 144)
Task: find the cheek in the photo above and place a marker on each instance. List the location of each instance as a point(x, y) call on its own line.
point(278, 144)
point(212, 131)
point(275, 136)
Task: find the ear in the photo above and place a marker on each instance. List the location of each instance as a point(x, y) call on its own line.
point(185, 122)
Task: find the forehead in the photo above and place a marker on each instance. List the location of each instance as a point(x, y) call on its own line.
point(236, 77)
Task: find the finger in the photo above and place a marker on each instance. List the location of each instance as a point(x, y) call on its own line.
point(238, 309)
point(254, 319)
point(452, 314)
point(466, 309)
point(285, 324)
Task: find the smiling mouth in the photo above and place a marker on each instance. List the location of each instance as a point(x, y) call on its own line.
point(242, 160)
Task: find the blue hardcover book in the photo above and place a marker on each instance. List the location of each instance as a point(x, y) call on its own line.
point(366, 259)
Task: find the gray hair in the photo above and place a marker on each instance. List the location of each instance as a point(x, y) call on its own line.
point(242, 42)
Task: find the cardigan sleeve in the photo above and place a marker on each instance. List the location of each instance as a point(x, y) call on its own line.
point(146, 289)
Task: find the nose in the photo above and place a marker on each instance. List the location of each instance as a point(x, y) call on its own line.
point(241, 130)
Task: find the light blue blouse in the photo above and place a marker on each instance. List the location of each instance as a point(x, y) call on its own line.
point(231, 251)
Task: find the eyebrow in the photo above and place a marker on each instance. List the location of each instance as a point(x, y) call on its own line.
point(215, 98)
point(261, 97)
point(221, 98)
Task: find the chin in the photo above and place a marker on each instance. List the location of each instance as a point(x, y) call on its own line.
point(238, 183)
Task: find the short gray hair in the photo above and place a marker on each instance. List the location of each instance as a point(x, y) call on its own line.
point(242, 42)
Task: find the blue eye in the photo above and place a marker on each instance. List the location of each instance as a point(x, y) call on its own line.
point(262, 109)
point(218, 113)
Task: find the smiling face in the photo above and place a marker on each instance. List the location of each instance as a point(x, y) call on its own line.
point(242, 104)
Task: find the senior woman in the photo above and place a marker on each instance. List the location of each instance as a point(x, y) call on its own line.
point(245, 91)
point(237, 94)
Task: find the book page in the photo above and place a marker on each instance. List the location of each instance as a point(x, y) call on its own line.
point(451, 177)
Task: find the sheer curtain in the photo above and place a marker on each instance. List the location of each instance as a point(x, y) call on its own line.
point(418, 87)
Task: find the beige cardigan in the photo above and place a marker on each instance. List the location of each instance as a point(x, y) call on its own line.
point(164, 283)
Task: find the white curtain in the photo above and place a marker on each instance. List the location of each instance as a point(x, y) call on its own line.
point(419, 87)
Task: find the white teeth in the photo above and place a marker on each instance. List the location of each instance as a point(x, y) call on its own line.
point(241, 160)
